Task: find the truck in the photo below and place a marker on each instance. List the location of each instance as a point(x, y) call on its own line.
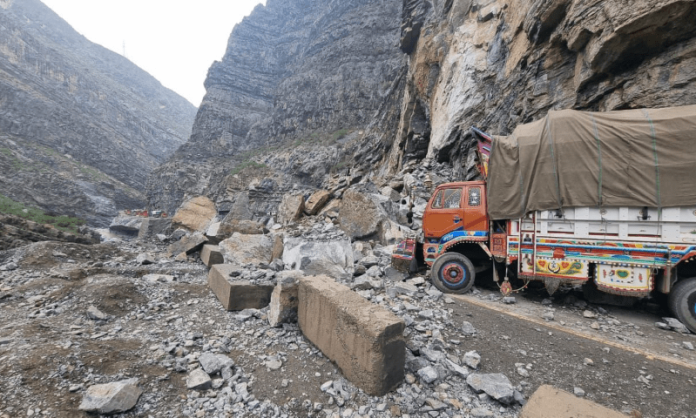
point(606, 200)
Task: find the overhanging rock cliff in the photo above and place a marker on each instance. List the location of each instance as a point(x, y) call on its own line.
point(331, 94)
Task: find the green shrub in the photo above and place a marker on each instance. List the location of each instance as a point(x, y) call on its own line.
point(62, 222)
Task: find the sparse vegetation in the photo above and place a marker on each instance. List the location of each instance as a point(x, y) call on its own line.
point(247, 165)
point(64, 223)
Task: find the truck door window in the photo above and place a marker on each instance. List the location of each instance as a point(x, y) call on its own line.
point(474, 196)
point(448, 199)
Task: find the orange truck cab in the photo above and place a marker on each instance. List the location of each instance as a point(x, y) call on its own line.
point(455, 235)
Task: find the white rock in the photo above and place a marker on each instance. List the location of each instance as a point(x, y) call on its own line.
point(111, 397)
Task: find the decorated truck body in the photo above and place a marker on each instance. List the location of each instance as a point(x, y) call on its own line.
point(602, 200)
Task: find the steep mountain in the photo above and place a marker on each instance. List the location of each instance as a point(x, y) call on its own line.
point(327, 94)
point(81, 127)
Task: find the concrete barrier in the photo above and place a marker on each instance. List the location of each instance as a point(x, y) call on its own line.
point(237, 295)
point(364, 340)
point(211, 255)
point(549, 402)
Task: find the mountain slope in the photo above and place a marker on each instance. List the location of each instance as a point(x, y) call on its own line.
point(81, 127)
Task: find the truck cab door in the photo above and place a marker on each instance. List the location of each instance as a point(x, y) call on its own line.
point(474, 205)
point(444, 212)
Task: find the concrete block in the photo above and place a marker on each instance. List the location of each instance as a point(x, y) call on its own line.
point(237, 295)
point(364, 340)
point(549, 402)
point(211, 255)
point(283, 308)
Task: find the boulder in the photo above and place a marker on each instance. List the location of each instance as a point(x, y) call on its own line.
point(284, 302)
point(111, 397)
point(290, 208)
point(316, 202)
point(144, 259)
point(365, 340)
point(211, 255)
point(247, 249)
point(126, 224)
point(496, 385)
point(236, 294)
point(187, 245)
point(151, 227)
point(549, 402)
point(195, 214)
point(214, 363)
point(242, 226)
point(214, 234)
point(333, 258)
point(359, 216)
point(198, 380)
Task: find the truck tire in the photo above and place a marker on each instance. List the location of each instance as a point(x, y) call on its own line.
point(453, 273)
point(682, 302)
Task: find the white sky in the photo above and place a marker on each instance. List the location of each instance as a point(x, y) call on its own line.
point(175, 41)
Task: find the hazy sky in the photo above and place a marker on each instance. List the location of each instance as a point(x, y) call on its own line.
point(174, 40)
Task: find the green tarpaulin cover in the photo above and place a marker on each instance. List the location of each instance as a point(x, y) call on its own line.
point(644, 157)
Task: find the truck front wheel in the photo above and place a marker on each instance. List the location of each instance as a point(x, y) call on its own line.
point(682, 302)
point(453, 273)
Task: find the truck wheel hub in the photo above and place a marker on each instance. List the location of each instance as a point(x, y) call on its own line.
point(453, 273)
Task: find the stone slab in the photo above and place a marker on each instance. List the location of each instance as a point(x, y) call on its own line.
point(211, 255)
point(364, 340)
point(234, 294)
point(549, 402)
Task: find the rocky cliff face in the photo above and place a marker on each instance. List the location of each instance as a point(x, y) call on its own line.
point(297, 74)
point(81, 127)
point(380, 91)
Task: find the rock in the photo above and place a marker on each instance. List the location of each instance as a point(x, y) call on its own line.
point(363, 339)
point(127, 224)
point(578, 392)
point(111, 397)
point(390, 193)
point(472, 359)
point(284, 301)
point(274, 363)
point(211, 255)
point(95, 314)
point(404, 288)
point(187, 245)
point(457, 369)
point(688, 345)
point(195, 214)
point(247, 249)
point(360, 217)
point(549, 402)
point(548, 316)
point(316, 202)
point(290, 209)
point(144, 259)
point(495, 385)
point(229, 227)
point(152, 227)
point(236, 294)
point(676, 325)
point(333, 258)
point(589, 314)
point(481, 413)
point(509, 300)
point(198, 380)
point(468, 329)
point(159, 278)
point(214, 234)
point(428, 374)
point(214, 363)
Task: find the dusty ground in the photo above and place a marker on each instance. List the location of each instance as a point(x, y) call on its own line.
point(49, 346)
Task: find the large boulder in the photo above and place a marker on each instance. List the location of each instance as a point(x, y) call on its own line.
point(290, 208)
point(243, 226)
point(247, 249)
point(333, 258)
point(316, 202)
point(188, 244)
point(195, 214)
point(284, 301)
point(360, 216)
point(111, 397)
point(150, 227)
point(127, 224)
